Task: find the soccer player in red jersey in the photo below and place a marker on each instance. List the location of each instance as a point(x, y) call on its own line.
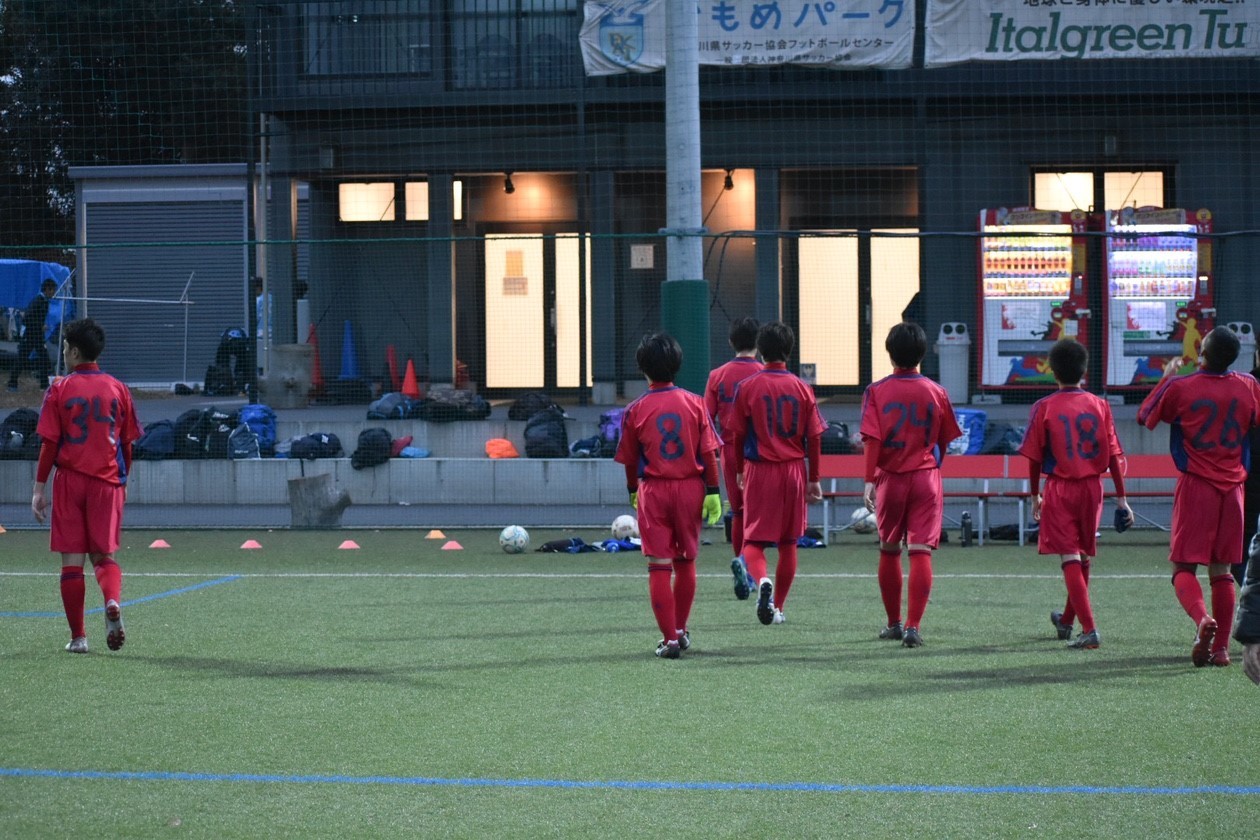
point(719, 396)
point(87, 425)
point(669, 450)
point(907, 423)
point(1071, 437)
point(775, 428)
point(1210, 412)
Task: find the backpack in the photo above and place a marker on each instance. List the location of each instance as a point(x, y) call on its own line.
point(219, 382)
point(527, 405)
point(610, 431)
point(317, 445)
point(220, 428)
point(835, 439)
point(156, 443)
point(242, 443)
point(546, 436)
point(17, 434)
point(262, 422)
point(391, 406)
point(1002, 438)
point(190, 430)
point(374, 448)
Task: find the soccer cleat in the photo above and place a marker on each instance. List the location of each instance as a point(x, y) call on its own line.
point(668, 650)
point(892, 631)
point(1202, 650)
point(1086, 641)
point(1219, 658)
point(779, 617)
point(78, 645)
point(910, 638)
point(114, 634)
point(1064, 630)
point(684, 640)
point(740, 571)
point(765, 601)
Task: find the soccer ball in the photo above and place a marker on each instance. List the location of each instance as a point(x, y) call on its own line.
point(514, 539)
point(862, 521)
point(625, 527)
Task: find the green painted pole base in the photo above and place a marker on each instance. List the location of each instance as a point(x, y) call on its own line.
point(685, 316)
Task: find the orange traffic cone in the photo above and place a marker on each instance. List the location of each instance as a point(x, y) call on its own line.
point(317, 373)
point(410, 387)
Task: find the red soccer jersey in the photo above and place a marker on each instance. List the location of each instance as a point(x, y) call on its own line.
point(666, 432)
point(1072, 433)
point(1210, 415)
point(911, 418)
point(88, 417)
point(719, 393)
point(774, 416)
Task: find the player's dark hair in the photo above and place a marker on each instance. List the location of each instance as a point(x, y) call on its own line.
point(48, 284)
point(1068, 359)
point(86, 336)
point(659, 357)
point(743, 335)
point(775, 341)
point(906, 344)
point(1220, 349)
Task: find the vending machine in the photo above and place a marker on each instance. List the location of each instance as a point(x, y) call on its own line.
point(1033, 292)
point(1159, 293)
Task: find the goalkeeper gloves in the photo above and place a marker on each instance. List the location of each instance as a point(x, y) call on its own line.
point(634, 499)
point(712, 510)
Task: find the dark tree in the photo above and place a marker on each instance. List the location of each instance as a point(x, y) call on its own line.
point(111, 82)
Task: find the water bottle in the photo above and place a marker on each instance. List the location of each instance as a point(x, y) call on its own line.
point(966, 529)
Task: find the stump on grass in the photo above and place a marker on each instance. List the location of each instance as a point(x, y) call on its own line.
point(315, 503)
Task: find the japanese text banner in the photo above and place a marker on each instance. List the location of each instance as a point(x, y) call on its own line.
point(620, 36)
point(1013, 30)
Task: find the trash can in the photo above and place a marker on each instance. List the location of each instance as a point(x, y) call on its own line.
point(1246, 346)
point(287, 383)
point(953, 345)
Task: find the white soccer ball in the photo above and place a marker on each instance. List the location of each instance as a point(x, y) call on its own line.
point(514, 539)
point(625, 527)
point(862, 521)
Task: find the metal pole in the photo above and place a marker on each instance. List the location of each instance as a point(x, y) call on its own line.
point(684, 295)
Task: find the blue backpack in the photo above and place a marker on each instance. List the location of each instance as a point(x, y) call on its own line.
point(262, 422)
point(610, 431)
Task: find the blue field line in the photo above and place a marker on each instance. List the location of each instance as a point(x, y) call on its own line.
point(133, 602)
point(772, 787)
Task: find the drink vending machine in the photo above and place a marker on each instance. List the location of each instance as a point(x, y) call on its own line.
point(1033, 292)
point(1159, 293)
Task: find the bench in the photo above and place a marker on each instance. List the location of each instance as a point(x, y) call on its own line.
point(985, 478)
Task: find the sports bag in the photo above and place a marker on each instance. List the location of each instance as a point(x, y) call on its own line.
point(17, 434)
point(835, 439)
point(156, 443)
point(546, 435)
point(527, 405)
point(374, 448)
point(317, 445)
point(242, 443)
point(261, 420)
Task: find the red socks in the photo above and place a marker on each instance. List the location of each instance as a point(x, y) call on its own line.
point(72, 595)
point(889, 576)
point(784, 573)
point(662, 596)
point(685, 591)
point(755, 560)
point(1078, 594)
point(1069, 612)
point(1190, 594)
point(920, 586)
point(1223, 602)
point(109, 578)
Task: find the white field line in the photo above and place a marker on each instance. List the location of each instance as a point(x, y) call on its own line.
point(567, 575)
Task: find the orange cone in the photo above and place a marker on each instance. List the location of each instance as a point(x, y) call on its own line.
point(317, 373)
point(410, 387)
point(435, 534)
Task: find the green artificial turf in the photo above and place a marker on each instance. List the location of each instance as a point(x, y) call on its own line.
point(402, 690)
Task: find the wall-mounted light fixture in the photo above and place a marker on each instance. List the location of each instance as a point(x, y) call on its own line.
point(508, 186)
point(729, 183)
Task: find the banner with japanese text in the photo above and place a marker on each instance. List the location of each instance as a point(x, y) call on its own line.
point(1013, 30)
point(621, 36)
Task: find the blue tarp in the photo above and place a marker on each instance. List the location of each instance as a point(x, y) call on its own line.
point(19, 284)
point(20, 280)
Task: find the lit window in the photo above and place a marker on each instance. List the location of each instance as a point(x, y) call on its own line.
point(367, 202)
point(417, 193)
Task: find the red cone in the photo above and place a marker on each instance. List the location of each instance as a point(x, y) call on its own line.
point(317, 373)
point(410, 388)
